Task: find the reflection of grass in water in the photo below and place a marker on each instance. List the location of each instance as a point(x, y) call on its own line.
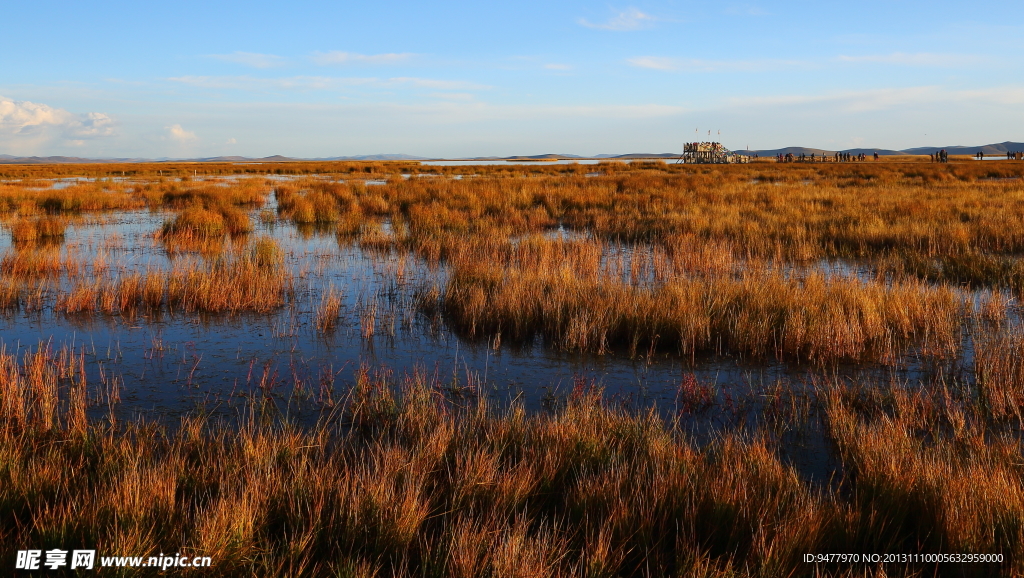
point(311, 230)
point(401, 480)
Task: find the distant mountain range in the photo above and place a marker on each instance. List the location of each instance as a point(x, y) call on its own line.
point(991, 149)
point(8, 159)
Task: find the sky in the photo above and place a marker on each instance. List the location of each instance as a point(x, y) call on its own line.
point(457, 79)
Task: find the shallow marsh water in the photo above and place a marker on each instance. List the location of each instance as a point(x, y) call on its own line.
point(167, 364)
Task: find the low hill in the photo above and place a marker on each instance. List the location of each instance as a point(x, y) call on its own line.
point(992, 149)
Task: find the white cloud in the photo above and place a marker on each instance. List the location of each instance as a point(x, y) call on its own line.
point(629, 19)
point(250, 83)
point(926, 59)
point(557, 67)
point(231, 141)
point(699, 65)
point(31, 118)
point(252, 59)
point(339, 57)
point(179, 134)
point(92, 124)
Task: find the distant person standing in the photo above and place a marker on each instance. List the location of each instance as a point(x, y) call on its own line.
point(876, 155)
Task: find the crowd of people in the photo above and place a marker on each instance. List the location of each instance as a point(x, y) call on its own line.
point(822, 158)
point(940, 156)
point(1010, 155)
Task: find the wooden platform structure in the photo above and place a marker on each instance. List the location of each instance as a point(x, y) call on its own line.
point(709, 153)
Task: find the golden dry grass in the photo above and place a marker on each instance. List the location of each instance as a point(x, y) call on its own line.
point(329, 309)
point(408, 483)
point(402, 480)
point(566, 293)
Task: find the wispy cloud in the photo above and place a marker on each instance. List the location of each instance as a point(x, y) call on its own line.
point(250, 83)
point(746, 10)
point(435, 84)
point(889, 98)
point(28, 118)
point(454, 96)
point(629, 19)
point(179, 134)
point(336, 57)
point(251, 59)
point(554, 66)
point(925, 59)
point(700, 65)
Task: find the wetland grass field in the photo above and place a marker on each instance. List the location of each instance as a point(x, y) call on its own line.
point(616, 369)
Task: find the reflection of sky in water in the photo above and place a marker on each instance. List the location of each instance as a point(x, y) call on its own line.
point(172, 362)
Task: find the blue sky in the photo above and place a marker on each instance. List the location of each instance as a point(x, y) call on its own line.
point(447, 79)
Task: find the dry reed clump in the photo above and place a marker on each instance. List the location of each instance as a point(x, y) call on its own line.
point(39, 261)
point(236, 221)
point(123, 295)
point(252, 279)
point(228, 284)
point(43, 390)
point(208, 211)
point(211, 194)
point(97, 196)
point(930, 468)
point(27, 230)
point(200, 222)
point(415, 484)
point(373, 238)
point(306, 207)
point(998, 370)
point(10, 294)
point(196, 221)
point(566, 293)
point(329, 309)
point(266, 252)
